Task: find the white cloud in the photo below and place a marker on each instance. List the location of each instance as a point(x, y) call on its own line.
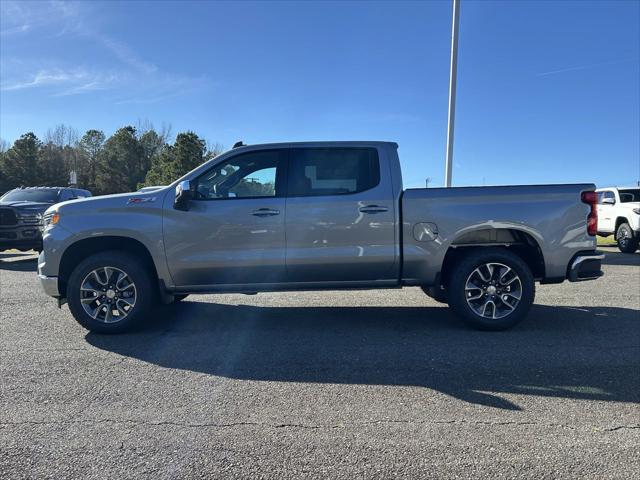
point(58, 21)
point(43, 78)
point(21, 17)
point(13, 30)
point(98, 83)
point(160, 87)
point(582, 67)
point(72, 81)
point(124, 53)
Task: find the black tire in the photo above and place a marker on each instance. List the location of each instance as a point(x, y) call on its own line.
point(179, 298)
point(466, 267)
point(627, 241)
point(137, 272)
point(436, 293)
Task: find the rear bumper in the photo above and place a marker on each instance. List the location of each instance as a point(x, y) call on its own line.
point(586, 266)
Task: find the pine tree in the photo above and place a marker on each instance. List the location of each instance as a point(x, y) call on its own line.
point(20, 166)
point(120, 165)
point(174, 161)
point(89, 148)
point(52, 169)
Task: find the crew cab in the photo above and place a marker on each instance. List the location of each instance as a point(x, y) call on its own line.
point(619, 215)
point(21, 212)
point(319, 215)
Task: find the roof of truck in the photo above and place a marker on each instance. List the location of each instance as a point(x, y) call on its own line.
point(314, 143)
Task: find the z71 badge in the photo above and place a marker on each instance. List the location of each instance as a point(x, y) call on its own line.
point(140, 200)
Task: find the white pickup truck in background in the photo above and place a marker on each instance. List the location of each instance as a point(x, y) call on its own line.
point(619, 215)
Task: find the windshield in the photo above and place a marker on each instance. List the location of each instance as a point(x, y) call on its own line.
point(630, 195)
point(43, 196)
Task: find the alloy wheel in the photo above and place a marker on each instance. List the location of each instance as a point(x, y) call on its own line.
point(623, 237)
point(493, 290)
point(107, 294)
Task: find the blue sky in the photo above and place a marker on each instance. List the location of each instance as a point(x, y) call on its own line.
point(547, 91)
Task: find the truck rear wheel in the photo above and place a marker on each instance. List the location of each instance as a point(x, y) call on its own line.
point(491, 288)
point(627, 242)
point(110, 292)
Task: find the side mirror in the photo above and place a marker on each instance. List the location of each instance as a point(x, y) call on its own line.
point(608, 201)
point(183, 196)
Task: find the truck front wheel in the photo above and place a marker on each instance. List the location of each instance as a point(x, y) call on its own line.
point(627, 242)
point(491, 288)
point(109, 292)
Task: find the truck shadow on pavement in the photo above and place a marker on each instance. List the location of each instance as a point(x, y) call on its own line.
point(588, 353)
point(19, 262)
point(619, 258)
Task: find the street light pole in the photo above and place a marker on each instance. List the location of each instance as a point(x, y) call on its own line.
point(452, 92)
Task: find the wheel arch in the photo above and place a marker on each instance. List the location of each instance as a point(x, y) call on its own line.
point(518, 241)
point(619, 221)
point(78, 251)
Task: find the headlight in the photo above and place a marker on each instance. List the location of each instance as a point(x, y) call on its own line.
point(51, 218)
point(636, 210)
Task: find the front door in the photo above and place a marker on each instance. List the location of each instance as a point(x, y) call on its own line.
point(340, 216)
point(606, 211)
point(233, 231)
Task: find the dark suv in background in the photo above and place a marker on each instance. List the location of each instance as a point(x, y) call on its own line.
point(21, 212)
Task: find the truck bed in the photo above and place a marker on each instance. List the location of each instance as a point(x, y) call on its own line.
point(549, 217)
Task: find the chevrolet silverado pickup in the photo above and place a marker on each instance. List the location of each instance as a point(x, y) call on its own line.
point(319, 215)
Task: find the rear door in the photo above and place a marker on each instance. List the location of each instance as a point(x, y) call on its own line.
point(233, 231)
point(340, 216)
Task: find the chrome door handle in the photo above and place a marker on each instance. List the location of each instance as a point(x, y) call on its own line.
point(374, 209)
point(265, 212)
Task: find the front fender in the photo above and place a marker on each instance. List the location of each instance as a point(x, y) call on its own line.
point(113, 218)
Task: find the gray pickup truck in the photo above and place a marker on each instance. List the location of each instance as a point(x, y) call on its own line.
point(319, 215)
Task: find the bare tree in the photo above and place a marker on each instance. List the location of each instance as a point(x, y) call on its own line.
point(72, 137)
point(145, 125)
point(54, 136)
point(213, 149)
point(61, 136)
point(166, 132)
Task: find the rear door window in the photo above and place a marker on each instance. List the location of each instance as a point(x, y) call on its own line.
point(332, 171)
point(629, 195)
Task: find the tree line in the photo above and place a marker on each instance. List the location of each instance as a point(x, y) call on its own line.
point(127, 160)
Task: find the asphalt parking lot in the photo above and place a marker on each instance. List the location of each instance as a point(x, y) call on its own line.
point(331, 384)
